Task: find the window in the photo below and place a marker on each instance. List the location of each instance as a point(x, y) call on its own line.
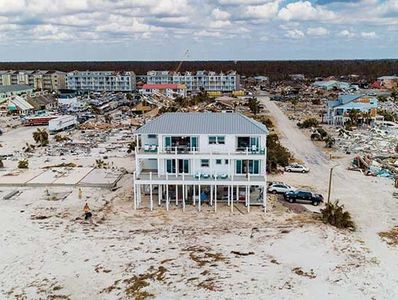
point(204, 163)
point(226, 162)
point(152, 136)
point(218, 161)
point(214, 140)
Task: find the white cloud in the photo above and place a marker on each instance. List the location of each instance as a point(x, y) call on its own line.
point(304, 11)
point(370, 35)
point(317, 31)
point(295, 34)
point(219, 14)
point(346, 33)
point(264, 11)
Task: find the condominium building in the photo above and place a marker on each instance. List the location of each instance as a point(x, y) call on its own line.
point(198, 158)
point(101, 81)
point(37, 79)
point(206, 80)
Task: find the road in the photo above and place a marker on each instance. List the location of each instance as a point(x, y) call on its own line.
point(369, 199)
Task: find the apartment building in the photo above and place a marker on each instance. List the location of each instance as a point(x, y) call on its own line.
point(37, 79)
point(195, 81)
point(165, 89)
point(197, 158)
point(101, 81)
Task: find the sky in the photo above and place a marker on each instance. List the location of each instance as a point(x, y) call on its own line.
point(89, 30)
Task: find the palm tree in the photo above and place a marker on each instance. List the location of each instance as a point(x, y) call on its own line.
point(41, 137)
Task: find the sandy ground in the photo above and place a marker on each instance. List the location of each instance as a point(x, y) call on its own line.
point(49, 252)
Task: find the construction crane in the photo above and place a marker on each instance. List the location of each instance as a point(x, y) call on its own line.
point(186, 54)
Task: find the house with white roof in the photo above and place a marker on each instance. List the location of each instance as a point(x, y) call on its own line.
point(196, 158)
point(338, 110)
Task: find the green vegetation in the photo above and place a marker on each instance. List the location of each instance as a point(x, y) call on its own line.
point(388, 115)
point(277, 155)
point(335, 215)
point(264, 120)
point(308, 123)
point(132, 146)
point(23, 164)
point(41, 137)
point(254, 105)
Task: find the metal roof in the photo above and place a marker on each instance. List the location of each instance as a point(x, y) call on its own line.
point(21, 103)
point(202, 123)
point(15, 88)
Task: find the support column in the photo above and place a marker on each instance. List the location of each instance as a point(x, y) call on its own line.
point(160, 194)
point(183, 197)
point(194, 195)
point(135, 196)
point(199, 200)
point(248, 198)
point(229, 195)
point(211, 195)
point(232, 199)
point(151, 196)
point(265, 199)
point(176, 195)
point(215, 198)
point(167, 197)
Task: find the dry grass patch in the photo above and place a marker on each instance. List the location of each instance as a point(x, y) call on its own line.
point(390, 237)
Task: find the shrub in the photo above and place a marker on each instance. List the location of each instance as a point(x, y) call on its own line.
point(335, 215)
point(308, 123)
point(23, 164)
point(277, 155)
point(1, 163)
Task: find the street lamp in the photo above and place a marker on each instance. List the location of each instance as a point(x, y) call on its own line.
point(330, 181)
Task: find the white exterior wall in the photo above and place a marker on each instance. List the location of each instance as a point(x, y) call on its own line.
point(212, 152)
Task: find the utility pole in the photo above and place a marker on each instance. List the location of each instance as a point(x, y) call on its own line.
point(330, 182)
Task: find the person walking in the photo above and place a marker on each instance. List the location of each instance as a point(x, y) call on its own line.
point(87, 212)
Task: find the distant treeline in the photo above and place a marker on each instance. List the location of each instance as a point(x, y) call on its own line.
point(276, 70)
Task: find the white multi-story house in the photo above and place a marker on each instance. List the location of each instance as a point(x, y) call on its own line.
point(206, 80)
point(100, 81)
point(201, 157)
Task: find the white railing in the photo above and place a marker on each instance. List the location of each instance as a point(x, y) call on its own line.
point(195, 151)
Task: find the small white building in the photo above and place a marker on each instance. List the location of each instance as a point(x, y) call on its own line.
point(166, 89)
point(201, 157)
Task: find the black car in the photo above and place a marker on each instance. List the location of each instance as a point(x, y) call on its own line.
point(303, 196)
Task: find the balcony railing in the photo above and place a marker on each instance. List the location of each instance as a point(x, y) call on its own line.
point(148, 149)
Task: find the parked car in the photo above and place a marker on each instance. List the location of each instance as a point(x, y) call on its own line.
point(298, 168)
point(279, 188)
point(303, 196)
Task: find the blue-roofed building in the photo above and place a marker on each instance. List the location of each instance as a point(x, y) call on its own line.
point(337, 110)
point(182, 154)
point(331, 84)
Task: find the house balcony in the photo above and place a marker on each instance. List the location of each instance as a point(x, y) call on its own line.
point(146, 177)
point(154, 150)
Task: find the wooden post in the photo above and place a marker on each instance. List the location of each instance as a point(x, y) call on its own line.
point(232, 199)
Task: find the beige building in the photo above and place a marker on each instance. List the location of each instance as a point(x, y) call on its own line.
point(38, 79)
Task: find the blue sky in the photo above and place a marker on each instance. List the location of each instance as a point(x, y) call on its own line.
point(41, 30)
